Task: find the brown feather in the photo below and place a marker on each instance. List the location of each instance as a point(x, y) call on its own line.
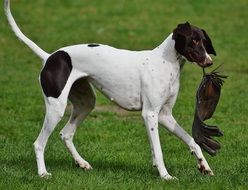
point(207, 98)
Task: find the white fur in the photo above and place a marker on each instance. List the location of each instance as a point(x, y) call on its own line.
point(135, 80)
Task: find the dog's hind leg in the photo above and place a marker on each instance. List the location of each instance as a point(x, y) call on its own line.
point(55, 108)
point(56, 79)
point(54, 111)
point(82, 98)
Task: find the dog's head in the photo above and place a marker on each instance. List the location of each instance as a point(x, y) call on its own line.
point(194, 44)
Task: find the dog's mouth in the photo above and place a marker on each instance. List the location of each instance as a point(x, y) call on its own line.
point(202, 62)
point(207, 63)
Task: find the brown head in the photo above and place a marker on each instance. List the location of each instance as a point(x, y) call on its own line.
point(194, 44)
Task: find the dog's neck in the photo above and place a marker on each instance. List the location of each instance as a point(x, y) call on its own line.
point(169, 53)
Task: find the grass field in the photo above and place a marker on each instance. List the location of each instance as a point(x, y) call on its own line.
point(115, 141)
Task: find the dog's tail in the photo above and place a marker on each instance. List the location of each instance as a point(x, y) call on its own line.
point(36, 49)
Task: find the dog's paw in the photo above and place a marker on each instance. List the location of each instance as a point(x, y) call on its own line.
point(204, 168)
point(45, 175)
point(83, 164)
point(169, 177)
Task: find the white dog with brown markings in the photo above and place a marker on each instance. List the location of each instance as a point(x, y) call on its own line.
point(135, 80)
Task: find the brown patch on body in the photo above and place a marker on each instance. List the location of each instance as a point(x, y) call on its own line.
point(55, 74)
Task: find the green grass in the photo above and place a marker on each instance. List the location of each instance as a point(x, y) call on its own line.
point(114, 142)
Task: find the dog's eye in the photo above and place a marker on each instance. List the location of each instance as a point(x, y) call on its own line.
point(196, 42)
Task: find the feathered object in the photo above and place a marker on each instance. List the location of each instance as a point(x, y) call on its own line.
point(207, 98)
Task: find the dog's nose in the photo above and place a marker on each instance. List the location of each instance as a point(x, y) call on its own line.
point(208, 63)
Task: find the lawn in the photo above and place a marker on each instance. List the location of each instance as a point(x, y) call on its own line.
point(112, 140)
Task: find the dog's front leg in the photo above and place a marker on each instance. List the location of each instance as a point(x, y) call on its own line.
point(151, 122)
point(167, 120)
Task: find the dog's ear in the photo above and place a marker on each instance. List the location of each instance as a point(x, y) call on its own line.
point(180, 35)
point(208, 44)
point(183, 29)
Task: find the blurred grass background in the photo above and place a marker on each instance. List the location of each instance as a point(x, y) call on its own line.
point(114, 141)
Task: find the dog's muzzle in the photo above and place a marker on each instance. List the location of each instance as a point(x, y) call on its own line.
point(207, 62)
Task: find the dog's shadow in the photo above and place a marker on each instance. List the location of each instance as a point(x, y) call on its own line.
point(122, 168)
point(119, 166)
point(27, 167)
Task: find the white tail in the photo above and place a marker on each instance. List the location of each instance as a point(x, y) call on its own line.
point(37, 50)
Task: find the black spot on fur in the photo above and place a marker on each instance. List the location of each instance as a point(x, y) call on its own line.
point(93, 45)
point(55, 74)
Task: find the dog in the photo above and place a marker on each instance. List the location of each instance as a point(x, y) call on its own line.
point(146, 81)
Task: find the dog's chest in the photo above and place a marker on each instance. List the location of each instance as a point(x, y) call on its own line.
point(161, 78)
